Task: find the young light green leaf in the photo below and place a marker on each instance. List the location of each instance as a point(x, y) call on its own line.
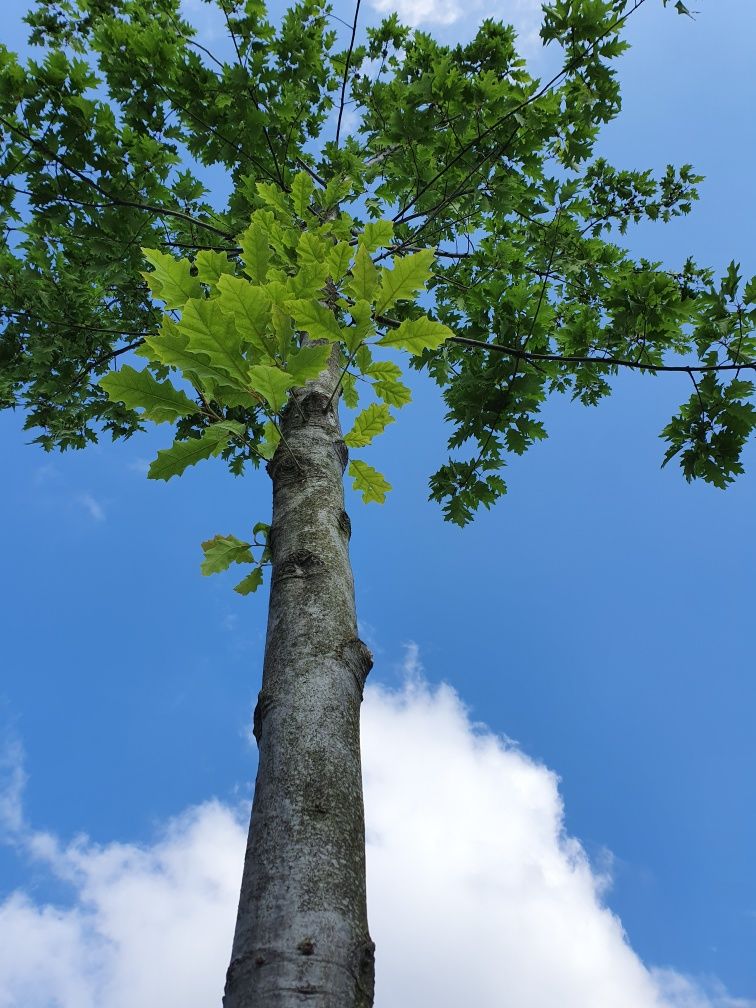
point(377, 234)
point(384, 371)
point(368, 482)
point(275, 198)
point(160, 400)
point(174, 460)
point(249, 306)
point(313, 251)
point(271, 383)
point(255, 252)
point(170, 346)
point(363, 358)
point(221, 551)
point(338, 260)
point(251, 582)
point(363, 327)
point(307, 363)
point(416, 335)
point(349, 390)
point(386, 383)
point(315, 319)
point(394, 393)
point(307, 282)
point(408, 277)
point(302, 188)
point(210, 331)
point(212, 265)
point(271, 438)
point(368, 424)
point(171, 280)
point(365, 276)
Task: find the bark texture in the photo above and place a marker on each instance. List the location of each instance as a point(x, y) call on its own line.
point(301, 933)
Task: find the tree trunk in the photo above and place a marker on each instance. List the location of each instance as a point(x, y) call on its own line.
point(301, 931)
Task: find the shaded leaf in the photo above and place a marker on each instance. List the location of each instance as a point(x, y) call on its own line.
point(221, 551)
point(160, 400)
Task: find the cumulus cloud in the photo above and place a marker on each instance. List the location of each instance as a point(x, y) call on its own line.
point(525, 15)
point(477, 896)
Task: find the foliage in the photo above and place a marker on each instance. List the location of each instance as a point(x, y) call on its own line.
point(464, 224)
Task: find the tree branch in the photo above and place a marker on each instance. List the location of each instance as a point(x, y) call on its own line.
point(346, 69)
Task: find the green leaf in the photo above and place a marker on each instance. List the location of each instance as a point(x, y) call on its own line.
point(251, 582)
point(250, 308)
point(386, 384)
point(307, 363)
point(365, 276)
point(212, 265)
point(221, 551)
point(394, 393)
point(368, 482)
point(313, 251)
point(302, 188)
point(363, 327)
point(255, 252)
point(174, 460)
point(408, 277)
point(271, 438)
point(349, 390)
point(271, 383)
point(338, 260)
point(416, 335)
point(161, 402)
point(170, 346)
point(377, 235)
point(275, 197)
point(315, 319)
point(171, 280)
point(210, 331)
point(369, 424)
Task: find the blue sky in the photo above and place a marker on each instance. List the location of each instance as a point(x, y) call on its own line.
point(600, 615)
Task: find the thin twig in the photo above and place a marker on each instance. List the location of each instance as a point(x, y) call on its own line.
point(346, 70)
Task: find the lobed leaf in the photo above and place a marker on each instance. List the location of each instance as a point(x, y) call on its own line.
point(221, 551)
point(272, 383)
point(416, 335)
point(171, 280)
point(315, 319)
point(251, 582)
point(368, 482)
point(368, 425)
point(408, 277)
point(160, 400)
point(182, 454)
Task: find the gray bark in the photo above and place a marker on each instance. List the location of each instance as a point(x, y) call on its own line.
point(301, 933)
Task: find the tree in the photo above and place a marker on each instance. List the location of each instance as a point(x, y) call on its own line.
point(479, 186)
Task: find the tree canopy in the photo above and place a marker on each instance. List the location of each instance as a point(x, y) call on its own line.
point(361, 178)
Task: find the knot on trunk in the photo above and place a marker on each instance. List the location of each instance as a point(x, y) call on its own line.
point(341, 452)
point(284, 468)
point(314, 406)
point(359, 659)
point(365, 974)
point(345, 524)
point(263, 705)
point(301, 564)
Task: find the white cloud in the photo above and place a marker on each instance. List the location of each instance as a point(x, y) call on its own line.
point(525, 15)
point(139, 465)
point(476, 894)
point(92, 506)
